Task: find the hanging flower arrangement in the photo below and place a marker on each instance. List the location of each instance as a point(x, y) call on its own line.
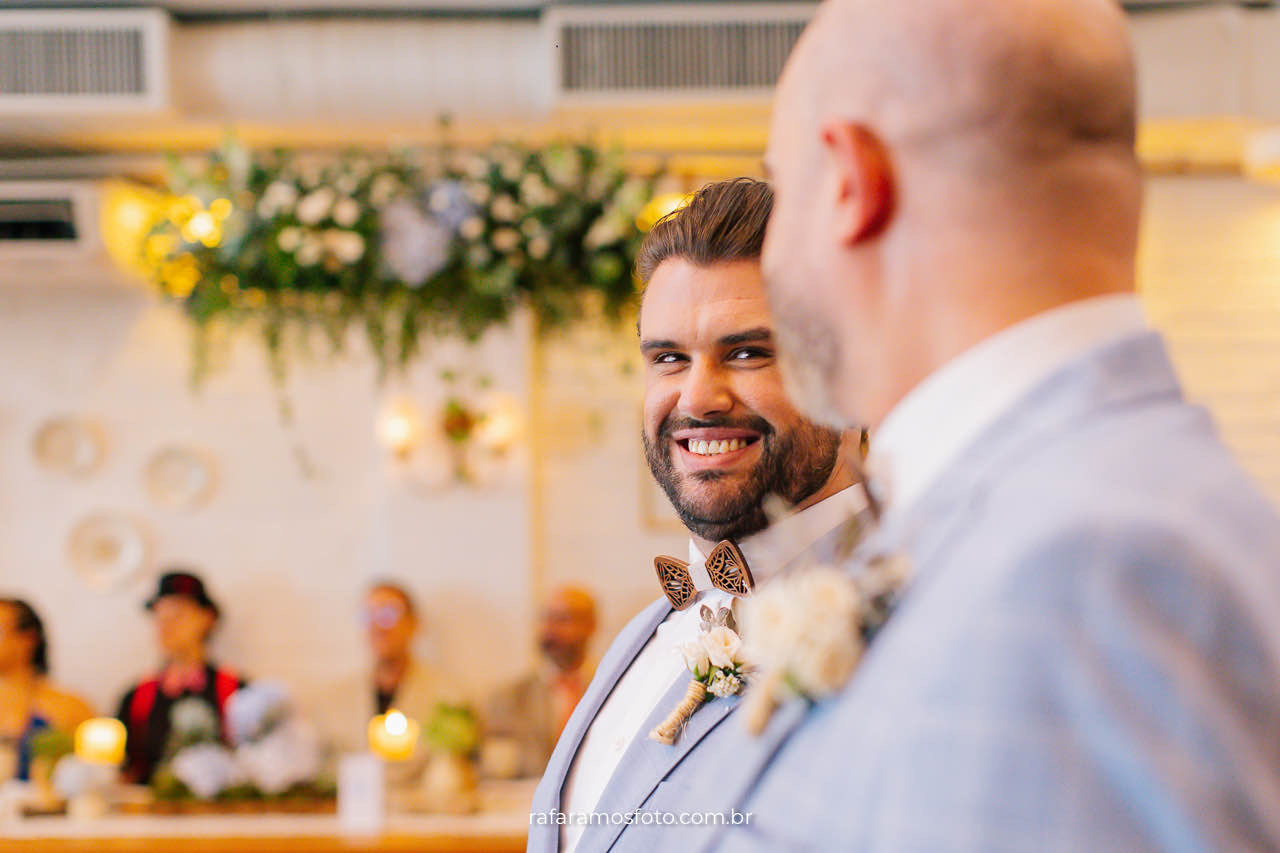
point(403, 246)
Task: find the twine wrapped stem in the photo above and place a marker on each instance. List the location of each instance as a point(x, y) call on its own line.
point(669, 730)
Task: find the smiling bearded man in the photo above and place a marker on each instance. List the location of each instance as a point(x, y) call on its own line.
point(724, 441)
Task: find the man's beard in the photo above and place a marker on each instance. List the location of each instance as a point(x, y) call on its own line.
point(793, 466)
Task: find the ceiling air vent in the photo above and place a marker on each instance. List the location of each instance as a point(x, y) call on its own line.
point(47, 218)
point(71, 61)
point(672, 51)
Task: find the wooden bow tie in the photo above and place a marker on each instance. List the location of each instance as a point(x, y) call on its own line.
point(725, 566)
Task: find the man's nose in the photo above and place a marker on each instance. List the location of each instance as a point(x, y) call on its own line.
point(705, 391)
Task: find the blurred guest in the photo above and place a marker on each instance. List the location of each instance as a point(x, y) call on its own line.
point(524, 719)
point(29, 703)
point(396, 678)
point(184, 617)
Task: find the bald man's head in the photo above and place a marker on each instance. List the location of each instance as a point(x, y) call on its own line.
point(568, 621)
point(966, 159)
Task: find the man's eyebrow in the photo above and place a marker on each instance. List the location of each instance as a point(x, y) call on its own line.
point(649, 346)
point(756, 335)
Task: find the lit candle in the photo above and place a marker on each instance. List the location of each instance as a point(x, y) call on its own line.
point(100, 741)
point(393, 736)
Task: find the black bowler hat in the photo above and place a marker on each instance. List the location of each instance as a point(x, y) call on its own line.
point(185, 584)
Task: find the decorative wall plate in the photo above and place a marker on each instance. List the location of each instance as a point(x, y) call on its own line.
point(179, 477)
point(69, 445)
point(107, 549)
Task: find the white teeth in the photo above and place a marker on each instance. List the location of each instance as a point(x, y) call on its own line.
point(714, 448)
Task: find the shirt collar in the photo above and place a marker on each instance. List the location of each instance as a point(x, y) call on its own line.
point(773, 548)
point(937, 420)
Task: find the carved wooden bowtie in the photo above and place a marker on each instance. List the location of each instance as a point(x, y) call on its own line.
point(725, 566)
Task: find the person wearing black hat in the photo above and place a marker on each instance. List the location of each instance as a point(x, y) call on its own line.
point(184, 616)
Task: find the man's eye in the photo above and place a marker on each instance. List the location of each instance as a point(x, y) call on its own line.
point(749, 353)
point(668, 358)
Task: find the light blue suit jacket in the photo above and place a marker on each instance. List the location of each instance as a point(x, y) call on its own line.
point(653, 779)
point(1088, 658)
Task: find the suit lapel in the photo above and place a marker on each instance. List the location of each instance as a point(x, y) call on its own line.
point(546, 799)
point(647, 762)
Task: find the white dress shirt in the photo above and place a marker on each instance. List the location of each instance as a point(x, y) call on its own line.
point(942, 415)
point(660, 663)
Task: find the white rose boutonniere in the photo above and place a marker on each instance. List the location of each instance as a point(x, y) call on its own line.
point(717, 666)
point(807, 632)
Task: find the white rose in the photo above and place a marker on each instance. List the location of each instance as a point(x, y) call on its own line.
point(505, 240)
point(289, 239)
point(309, 252)
point(346, 184)
point(823, 668)
point(511, 168)
point(346, 246)
point(383, 189)
point(722, 645)
point(346, 212)
point(504, 209)
point(315, 206)
point(479, 193)
point(695, 657)
point(539, 247)
point(472, 227)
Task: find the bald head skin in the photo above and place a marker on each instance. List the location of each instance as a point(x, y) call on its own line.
point(943, 169)
point(567, 623)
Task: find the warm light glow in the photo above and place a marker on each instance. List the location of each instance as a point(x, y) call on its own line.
point(1262, 156)
point(201, 228)
point(128, 214)
point(659, 207)
point(501, 425)
point(393, 736)
point(400, 427)
point(101, 741)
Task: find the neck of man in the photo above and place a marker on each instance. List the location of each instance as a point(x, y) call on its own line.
point(389, 671)
point(191, 658)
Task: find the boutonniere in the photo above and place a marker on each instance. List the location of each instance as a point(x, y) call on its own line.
point(717, 666)
point(807, 631)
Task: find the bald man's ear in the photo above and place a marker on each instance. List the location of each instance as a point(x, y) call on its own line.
point(865, 180)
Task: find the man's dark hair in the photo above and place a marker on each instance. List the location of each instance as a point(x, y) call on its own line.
point(29, 621)
point(723, 222)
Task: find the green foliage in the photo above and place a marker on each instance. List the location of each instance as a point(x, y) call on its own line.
point(404, 247)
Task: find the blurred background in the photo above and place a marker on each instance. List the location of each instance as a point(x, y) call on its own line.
point(291, 491)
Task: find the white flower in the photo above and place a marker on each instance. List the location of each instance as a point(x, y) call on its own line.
point(475, 166)
point(315, 206)
point(722, 645)
point(278, 196)
point(478, 192)
point(504, 209)
point(440, 199)
point(823, 667)
point(207, 769)
point(310, 251)
point(383, 189)
point(346, 184)
point(539, 247)
point(346, 246)
point(534, 191)
point(290, 754)
point(724, 684)
point(346, 212)
point(471, 228)
point(253, 709)
point(289, 239)
point(414, 247)
point(695, 657)
point(564, 166)
point(506, 240)
point(511, 168)
point(606, 230)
